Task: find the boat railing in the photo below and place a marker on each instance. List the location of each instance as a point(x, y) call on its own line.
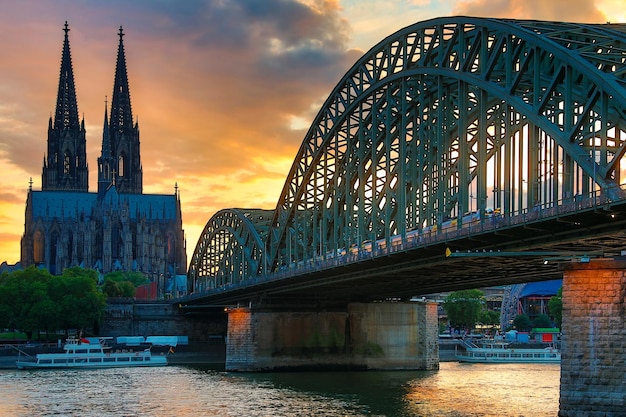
point(20, 353)
point(468, 344)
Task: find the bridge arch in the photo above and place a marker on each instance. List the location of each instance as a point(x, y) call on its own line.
point(230, 248)
point(452, 116)
point(439, 125)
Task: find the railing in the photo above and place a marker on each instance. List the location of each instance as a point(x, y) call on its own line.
point(526, 216)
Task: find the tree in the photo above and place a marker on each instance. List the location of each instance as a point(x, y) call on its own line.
point(490, 318)
point(123, 284)
point(81, 304)
point(137, 278)
point(464, 307)
point(33, 300)
point(555, 305)
point(542, 321)
point(522, 323)
point(25, 300)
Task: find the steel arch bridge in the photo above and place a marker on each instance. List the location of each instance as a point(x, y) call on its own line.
point(441, 125)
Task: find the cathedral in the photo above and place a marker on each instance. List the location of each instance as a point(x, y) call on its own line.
point(116, 228)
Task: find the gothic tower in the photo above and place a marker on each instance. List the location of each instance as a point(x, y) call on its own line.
point(65, 166)
point(120, 162)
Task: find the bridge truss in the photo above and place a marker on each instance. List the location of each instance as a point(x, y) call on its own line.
point(444, 122)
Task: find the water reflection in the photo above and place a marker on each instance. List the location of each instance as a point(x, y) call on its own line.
point(456, 390)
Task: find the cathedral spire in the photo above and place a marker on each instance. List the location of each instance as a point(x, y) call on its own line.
point(66, 114)
point(106, 139)
point(122, 135)
point(121, 111)
point(105, 161)
point(66, 165)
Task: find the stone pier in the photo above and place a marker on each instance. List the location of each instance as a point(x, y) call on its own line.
point(593, 367)
point(361, 336)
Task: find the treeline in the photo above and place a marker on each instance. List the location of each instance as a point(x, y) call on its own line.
point(467, 308)
point(32, 300)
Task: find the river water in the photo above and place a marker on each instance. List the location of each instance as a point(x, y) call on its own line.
point(455, 390)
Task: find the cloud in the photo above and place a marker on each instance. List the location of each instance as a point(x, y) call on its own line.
point(214, 85)
point(560, 11)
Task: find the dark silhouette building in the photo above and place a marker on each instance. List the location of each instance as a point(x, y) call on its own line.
point(116, 228)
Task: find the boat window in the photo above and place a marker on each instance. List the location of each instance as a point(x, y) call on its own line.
point(95, 350)
point(137, 359)
point(95, 360)
point(109, 359)
point(123, 359)
point(45, 361)
point(81, 351)
point(60, 361)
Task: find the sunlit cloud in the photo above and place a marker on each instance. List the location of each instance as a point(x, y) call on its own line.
point(566, 11)
point(223, 91)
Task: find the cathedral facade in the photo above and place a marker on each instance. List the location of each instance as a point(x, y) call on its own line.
point(116, 228)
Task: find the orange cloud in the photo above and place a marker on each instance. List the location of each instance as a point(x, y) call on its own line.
point(583, 11)
point(216, 86)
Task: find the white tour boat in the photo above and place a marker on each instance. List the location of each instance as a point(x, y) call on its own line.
point(493, 351)
point(89, 354)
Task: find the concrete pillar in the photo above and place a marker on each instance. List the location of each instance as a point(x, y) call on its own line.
point(593, 367)
point(362, 336)
point(241, 352)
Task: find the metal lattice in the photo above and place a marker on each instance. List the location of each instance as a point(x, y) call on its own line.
point(230, 248)
point(449, 117)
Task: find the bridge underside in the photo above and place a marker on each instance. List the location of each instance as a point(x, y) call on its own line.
point(476, 261)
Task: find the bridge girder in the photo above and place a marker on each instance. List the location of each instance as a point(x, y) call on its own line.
point(455, 115)
point(444, 117)
point(230, 248)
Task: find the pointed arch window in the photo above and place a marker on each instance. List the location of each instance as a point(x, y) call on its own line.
point(171, 249)
point(120, 167)
point(66, 163)
point(38, 247)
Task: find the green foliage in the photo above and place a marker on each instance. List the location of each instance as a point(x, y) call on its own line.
point(111, 289)
point(136, 278)
point(522, 323)
point(123, 284)
point(542, 321)
point(490, 317)
point(555, 305)
point(464, 307)
point(33, 300)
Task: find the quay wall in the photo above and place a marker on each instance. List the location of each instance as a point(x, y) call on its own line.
point(128, 317)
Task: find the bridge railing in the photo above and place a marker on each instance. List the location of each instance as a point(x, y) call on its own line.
point(533, 214)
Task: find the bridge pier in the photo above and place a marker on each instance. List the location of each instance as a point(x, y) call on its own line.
point(361, 336)
point(593, 365)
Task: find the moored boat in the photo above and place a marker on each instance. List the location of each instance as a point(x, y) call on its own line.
point(492, 351)
point(89, 354)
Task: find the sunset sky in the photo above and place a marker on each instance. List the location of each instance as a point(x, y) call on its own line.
point(224, 90)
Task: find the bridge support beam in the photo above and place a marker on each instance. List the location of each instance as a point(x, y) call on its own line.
point(361, 336)
point(593, 365)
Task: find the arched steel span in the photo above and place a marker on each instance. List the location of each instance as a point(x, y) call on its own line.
point(454, 115)
point(230, 248)
point(444, 117)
